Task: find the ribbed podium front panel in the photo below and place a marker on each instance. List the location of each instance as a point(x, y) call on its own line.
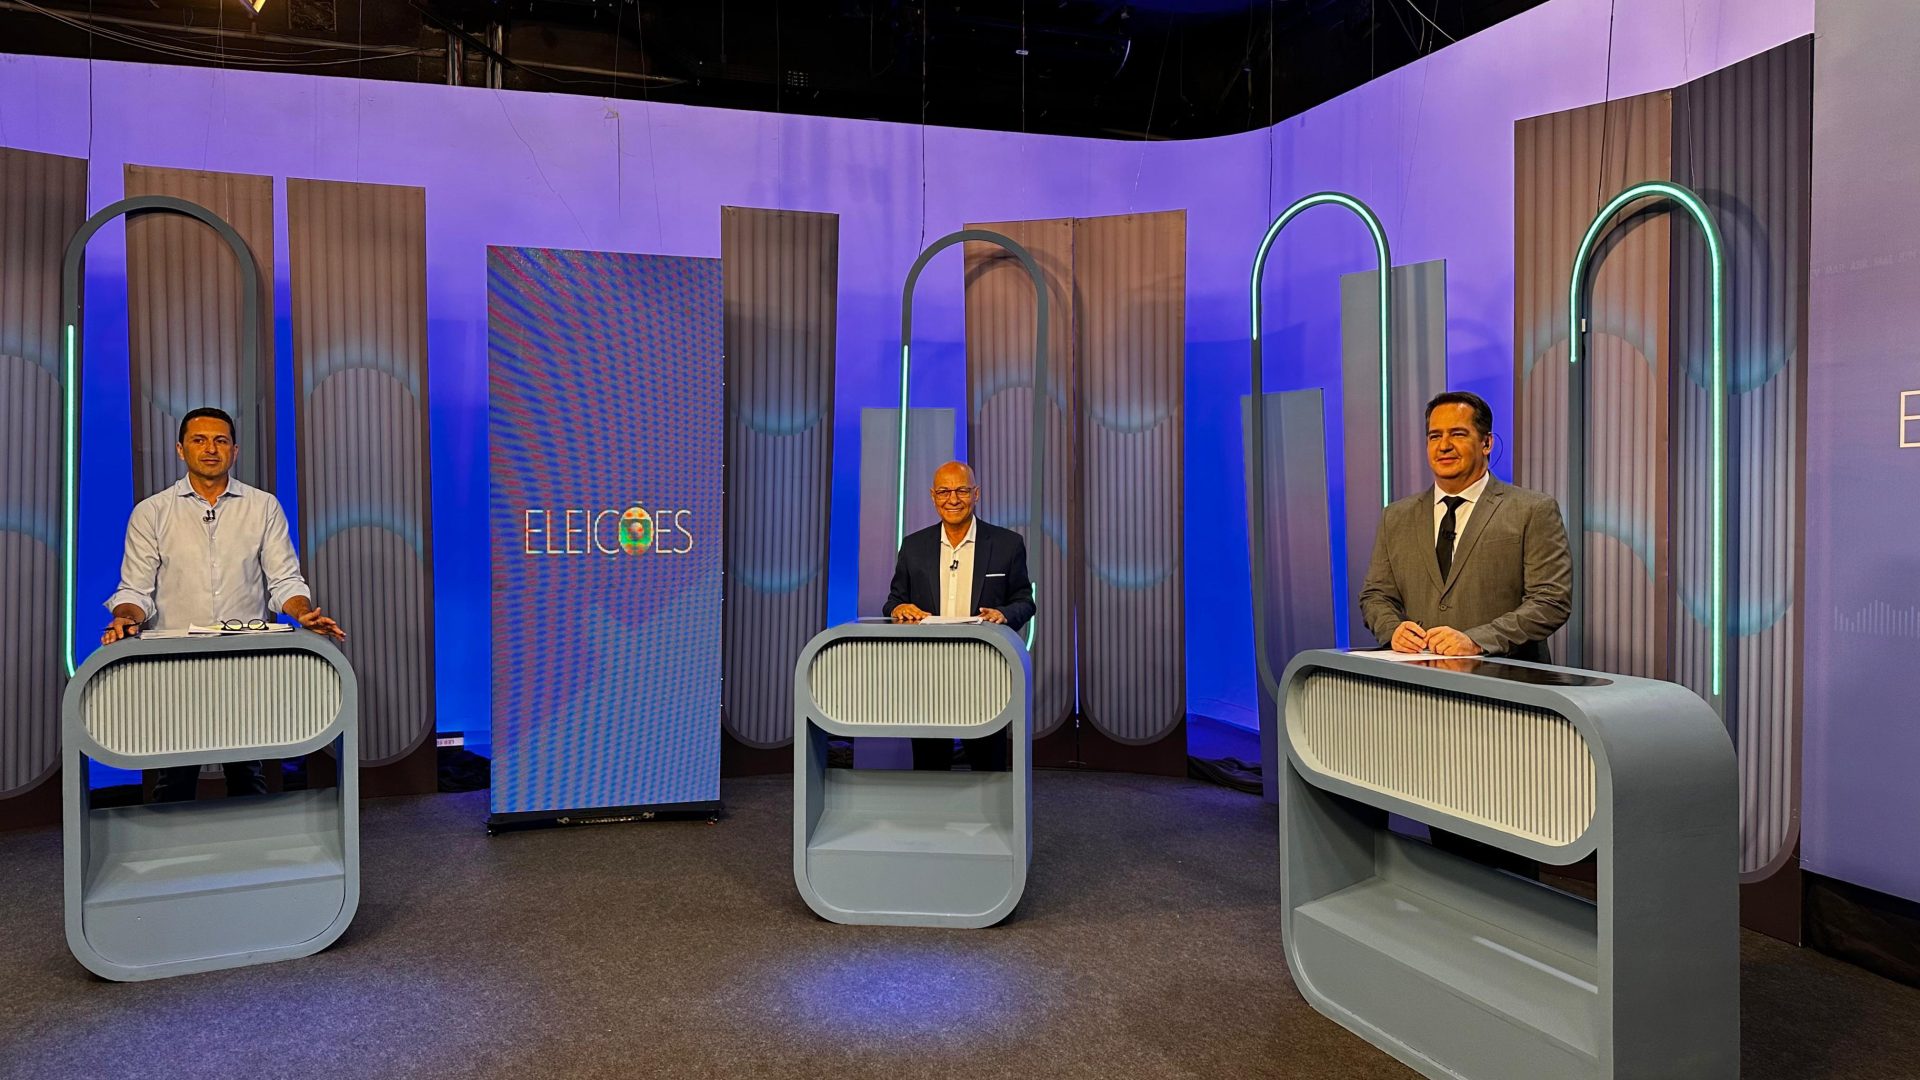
point(890, 681)
point(1521, 770)
point(222, 701)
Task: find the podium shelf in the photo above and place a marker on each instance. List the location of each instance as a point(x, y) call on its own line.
point(1518, 980)
point(884, 832)
point(210, 847)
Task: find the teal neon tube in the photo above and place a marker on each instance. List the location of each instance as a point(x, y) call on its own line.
point(1257, 526)
point(69, 494)
point(1577, 307)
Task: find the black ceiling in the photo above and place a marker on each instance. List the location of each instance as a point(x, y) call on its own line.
point(1144, 68)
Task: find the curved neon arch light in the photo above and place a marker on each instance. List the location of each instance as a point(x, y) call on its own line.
point(1036, 512)
point(70, 298)
point(1259, 414)
point(1577, 413)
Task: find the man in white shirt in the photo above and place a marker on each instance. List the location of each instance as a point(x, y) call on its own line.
point(206, 550)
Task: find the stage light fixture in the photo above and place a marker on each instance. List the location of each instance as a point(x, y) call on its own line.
point(253, 6)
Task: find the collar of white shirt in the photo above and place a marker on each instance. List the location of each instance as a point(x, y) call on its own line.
point(1471, 494)
point(183, 487)
point(973, 530)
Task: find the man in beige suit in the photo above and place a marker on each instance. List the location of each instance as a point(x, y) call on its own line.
point(1473, 566)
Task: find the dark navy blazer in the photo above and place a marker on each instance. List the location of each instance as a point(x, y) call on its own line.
point(999, 573)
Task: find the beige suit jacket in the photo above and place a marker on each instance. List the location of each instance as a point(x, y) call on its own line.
point(1511, 578)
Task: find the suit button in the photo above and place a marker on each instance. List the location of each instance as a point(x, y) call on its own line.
point(1444, 606)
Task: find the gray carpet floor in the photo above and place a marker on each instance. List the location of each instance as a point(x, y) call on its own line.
point(1148, 944)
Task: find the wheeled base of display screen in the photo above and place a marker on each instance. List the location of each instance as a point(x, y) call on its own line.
point(705, 810)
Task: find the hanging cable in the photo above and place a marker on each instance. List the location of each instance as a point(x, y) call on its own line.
point(1415, 8)
point(1606, 112)
point(923, 126)
point(1023, 66)
point(1273, 35)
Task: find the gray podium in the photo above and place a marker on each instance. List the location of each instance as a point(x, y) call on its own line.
point(1468, 973)
point(904, 848)
point(175, 888)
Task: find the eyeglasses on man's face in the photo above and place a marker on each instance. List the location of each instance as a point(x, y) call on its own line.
point(951, 494)
point(243, 624)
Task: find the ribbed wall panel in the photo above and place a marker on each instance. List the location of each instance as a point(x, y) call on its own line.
point(1000, 315)
point(1130, 285)
point(1516, 769)
point(957, 683)
point(358, 256)
point(1567, 165)
point(238, 701)
point(782, 274)
point(1743, 139)
point(43, 200)
point(185, 321)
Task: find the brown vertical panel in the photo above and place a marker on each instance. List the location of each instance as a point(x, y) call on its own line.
point(782, 271)
point(184, 319)
point(1000, 331)
point(43, 200)
point(1130, 330)
point(359, 277)
point(1567, 165)
point(1743, 139)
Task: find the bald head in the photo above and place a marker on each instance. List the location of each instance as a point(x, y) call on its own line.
point(954, 474)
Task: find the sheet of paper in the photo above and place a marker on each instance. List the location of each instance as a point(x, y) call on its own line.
point(162, 635)
point(1403, 657)
point(948, 620)
point(272, 628)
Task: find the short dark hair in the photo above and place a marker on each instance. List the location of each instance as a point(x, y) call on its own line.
point(1482, 412)
point(208, 410)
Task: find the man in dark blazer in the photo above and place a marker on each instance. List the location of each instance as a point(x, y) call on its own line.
point(1473, 566)
point(961, 567)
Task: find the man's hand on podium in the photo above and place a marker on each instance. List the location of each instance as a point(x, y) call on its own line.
point(123, 626)
point(309, 617)
point(1447, 641)
point(322, 624)
point(908, 613)
point(992, 615)
point(1409, 636)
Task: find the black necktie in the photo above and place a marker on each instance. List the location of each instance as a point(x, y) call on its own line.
point(1443, 544)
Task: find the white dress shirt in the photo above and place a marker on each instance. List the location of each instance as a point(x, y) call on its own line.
point(956, 572)
point(184, 570)
point(1472, 495)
